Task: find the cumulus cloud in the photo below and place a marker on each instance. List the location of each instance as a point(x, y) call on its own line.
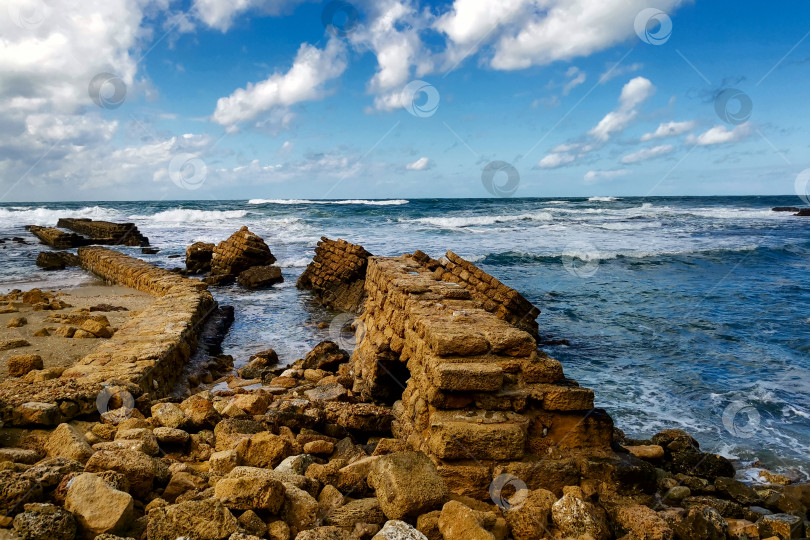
point(420, 164)
point(648, 153)
point(721, 135)
point(220, 15)
point(555, 160)
point(304, 81)
point(592, 177)
point(634, 93)
point(669, 129)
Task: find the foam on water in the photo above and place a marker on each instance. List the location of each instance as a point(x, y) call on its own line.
point(181, 215)
point(393, 202)
point(467, 221)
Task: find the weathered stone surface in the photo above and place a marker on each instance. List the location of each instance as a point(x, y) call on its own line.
point(241, 251)
point(44, 522)
point(198, 257)
point(336, 275)
point(358, 511)
point(16, 490)
point(407, 484)
point(57, 238)
point(324, 533)
point(738, 491)
point(21, 365)
point(246, 488)
point(167, 435)
point(642, 522)
point(17, 322)
point(398, 530)
point(575, 517)
point(300, 509)
point(207, 519)
point(529, 513)
point(260, 276)
point(105, 232)
point(98, 507)
point(781, 526)
point(67, 442)
point(56, 260)
point(8, 344)
point(459, 522)
point(263, 450)
point(139, 468)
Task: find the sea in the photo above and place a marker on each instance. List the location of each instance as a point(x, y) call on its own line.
point(680, 312)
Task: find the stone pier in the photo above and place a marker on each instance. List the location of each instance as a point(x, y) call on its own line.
point(470, 389)
point(144, 357)
point(105, 232)
point(57, 238)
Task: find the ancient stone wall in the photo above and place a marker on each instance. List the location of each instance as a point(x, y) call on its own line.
point(57, 238)
point(241, 251)
point(477, 396)
point(505, 302)
point(336, 275)
point(144, 356)
point(105, 232)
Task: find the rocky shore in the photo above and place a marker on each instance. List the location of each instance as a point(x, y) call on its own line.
point(446, 422)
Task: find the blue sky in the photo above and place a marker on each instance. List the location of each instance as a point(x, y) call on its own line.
point(257, 99)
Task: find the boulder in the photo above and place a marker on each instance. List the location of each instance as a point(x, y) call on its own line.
point(781, 526)
point(167, 435)
point(263, 450)
point(529, 513)
point(15, 490)
point(642, 522)
point(260, 276)
point(67, 442)
point(241, 251)
point(139, 468)
point(97, 328)
point(324, 533)
point(357, 511)
point(398, 530)
point(98, 507)
point(17, 322)
point(407, 484)
point(460, 522)
point(56, 260)
point(198, 257)
point(45, 522)
point(200, 412)
point(21, 365)
point(300, 509)
point(575, 517)
point(325, 355)
point(697, 522)
point(207, 519)
point(734, 489)
point(169, 415)
point(8, 344)
point(246, 488)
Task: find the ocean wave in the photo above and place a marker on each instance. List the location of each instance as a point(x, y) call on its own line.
point(180, 215)
point(47, 216)
point(521, 257)
point(389, 202)
point(472, 221)
point(603, 199)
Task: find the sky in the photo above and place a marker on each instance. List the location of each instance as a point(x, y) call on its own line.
point(241, 99)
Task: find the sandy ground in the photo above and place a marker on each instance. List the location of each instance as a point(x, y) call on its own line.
point(60, 351)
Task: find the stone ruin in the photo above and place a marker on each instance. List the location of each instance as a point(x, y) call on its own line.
point(88, 232)
point(57, 238)
point(336, 276)
point(471, 390)
point(243, 252)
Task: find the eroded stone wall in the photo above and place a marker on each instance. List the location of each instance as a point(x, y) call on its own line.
point(477, 395)
point(105, 232)
point(505, 302)
point(241, 251)
point(336, 275)
point(57, 238)
point(144, 356)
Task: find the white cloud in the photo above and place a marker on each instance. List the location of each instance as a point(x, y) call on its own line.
point(634, 93)
point(555, 160)
point(721, 135)
point(591, 177)
point(669, 129)
point(420, 164)
point(576, 77)
point(304, 81)
point(648, 153)
point(220, 14)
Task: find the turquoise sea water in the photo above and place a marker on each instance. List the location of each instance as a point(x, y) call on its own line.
point(680, 312)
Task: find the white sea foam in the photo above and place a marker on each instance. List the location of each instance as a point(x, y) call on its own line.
point(603, 199)
point(181, 215)
point(469, 221)
point(48, 216)
point(392, 202)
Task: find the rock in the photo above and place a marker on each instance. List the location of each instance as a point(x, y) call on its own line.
point(267, 357)
point(56, 260)
point(781, 526)
point(200, 412)
point(50, 472)
point(803, 212)
point(329, 392)
point(741, 529)
point(575, 517)
point(529, 512)
point(260, 276)
point(252, 523)
point(183, 482)
point(167, 435)
point(300, 509)
point(42, 414)
point(16, 490)
point(139, 468)
point(207, 519)
point(773, 478)
point(19, 455)
point(726, 508)
point(278, 530)
point(295, 464)
point(44, 522)
point(642, 522)
point(325, 355)
point(67, 442)
point(150, 250)
point(9, 309)
point(96, 328)
point(8, 344)
point(459, 522)
point(357, 511)
point(141, 439)
point(407, 484)
point(223, 462)
point(263, 450)
point(42, 332)
point(677, 494)
point(398, 530)
point(98, 507)
point(651, 452)
point(198, 257)
point(738, 491)
point(324, 533)
point(65, 331)
point(169, 415)
point(702, 522)
point(246, 488)
point(253, 404)
point(84, 334)
point(785, 209)
point(17, 322)
point(319, 447)
point(22, 364)
point(241, 251)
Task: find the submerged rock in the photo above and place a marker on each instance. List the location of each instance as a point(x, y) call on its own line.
point(56, 260)
point(260, 276)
